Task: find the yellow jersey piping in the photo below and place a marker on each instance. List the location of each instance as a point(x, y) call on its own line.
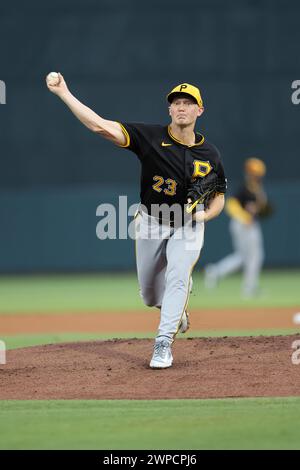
point(127, 136)
point(182, 143)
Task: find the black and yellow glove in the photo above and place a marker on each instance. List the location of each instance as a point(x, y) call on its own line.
point(201, 190)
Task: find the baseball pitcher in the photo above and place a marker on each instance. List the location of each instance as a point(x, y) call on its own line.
point(180, 171)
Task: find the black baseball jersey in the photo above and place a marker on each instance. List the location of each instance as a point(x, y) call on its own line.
point(244, 196)
point(247, 194)
point(168, 165)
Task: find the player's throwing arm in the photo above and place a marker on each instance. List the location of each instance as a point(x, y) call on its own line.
point(111, 130)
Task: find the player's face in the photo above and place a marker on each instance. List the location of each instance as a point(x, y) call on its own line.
point(255, 178)
point(184, 111)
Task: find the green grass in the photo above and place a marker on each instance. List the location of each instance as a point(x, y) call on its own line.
point(167, 424)
point(262, 423)
point(22, 341)
point(81, 293)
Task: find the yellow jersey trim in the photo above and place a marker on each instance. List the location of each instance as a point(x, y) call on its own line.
point(127, 136)
point(236, 211)
point(182, 143)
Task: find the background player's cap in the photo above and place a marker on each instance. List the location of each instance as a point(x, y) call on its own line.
point(255, 167)
point(186, 89)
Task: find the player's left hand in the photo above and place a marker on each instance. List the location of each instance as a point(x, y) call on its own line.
point(199, 216)
point(251, 207)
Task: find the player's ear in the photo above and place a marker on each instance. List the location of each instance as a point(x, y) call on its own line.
point(200, 111)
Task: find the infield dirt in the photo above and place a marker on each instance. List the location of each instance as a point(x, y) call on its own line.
point(119, 369)
point(144, 321)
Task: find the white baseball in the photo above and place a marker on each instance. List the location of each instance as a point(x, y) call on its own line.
point(296, 318)
point(53, 78)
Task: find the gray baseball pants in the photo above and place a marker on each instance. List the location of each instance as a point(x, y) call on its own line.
point(165, 258)
point(248, 254)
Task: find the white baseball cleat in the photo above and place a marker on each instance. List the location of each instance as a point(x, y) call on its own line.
point(162, 355)
point(184, 323)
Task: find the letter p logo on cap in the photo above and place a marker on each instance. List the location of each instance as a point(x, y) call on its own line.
point(182, 87)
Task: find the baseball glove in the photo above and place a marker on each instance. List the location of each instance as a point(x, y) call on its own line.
point(266, 211)
point(201, 190)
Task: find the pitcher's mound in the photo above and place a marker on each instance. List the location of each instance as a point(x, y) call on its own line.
point(203, 368)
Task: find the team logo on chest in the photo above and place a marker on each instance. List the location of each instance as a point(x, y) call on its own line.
point(201, 168)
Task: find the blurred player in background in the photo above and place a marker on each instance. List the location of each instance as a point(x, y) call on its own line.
point(245, 209)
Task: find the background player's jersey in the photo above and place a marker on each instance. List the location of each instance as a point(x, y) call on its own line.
point(254, 194)
point(168, 165)
point(248, 203)
point(244, 195)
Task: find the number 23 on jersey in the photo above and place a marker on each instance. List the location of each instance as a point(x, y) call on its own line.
point(168, 186)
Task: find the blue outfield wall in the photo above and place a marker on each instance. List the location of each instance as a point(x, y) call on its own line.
point(54, 229)
point(121, 59)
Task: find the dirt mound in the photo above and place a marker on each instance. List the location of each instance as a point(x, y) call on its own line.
point(119, 369)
